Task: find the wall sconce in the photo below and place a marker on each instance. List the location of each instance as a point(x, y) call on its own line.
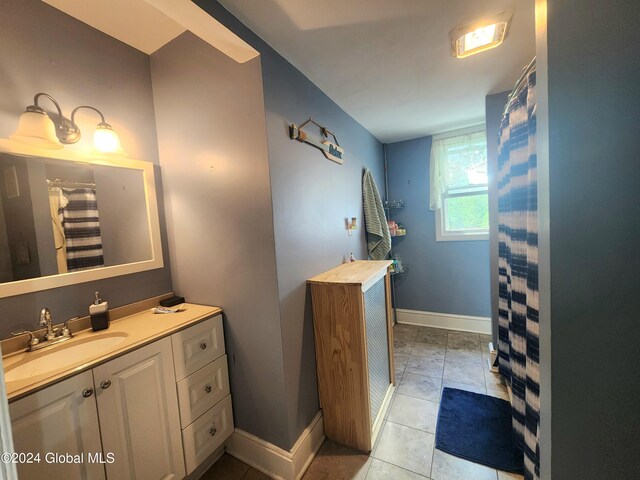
point(351, 225)
point(38, 128)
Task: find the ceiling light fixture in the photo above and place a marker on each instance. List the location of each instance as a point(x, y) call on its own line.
point(479, 36)
point(51, 130)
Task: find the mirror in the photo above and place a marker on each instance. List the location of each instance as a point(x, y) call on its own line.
point(66, 219)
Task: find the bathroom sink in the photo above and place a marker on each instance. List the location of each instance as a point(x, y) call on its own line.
point(63, 355)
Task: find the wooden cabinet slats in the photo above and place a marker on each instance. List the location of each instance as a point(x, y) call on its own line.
point(342, 354)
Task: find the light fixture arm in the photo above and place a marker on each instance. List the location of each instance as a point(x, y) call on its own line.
point(37, 108)
point(73, 114)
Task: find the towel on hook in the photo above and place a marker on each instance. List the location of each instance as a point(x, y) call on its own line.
point(378, 236)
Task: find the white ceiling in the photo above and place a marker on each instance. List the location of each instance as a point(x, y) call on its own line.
point(387, 62)
point(148, 25)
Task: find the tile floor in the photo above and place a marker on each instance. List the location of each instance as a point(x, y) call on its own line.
point(427, 359)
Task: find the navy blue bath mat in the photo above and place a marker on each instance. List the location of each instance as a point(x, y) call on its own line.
point(477, 427)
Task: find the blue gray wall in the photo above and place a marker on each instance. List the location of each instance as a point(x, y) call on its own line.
point(593, 168)
point(213, 152)
point(311, 199)
point(494, 108)
point(444, 277)
point(45, 50)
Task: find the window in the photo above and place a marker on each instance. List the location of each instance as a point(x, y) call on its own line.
point(459, 190)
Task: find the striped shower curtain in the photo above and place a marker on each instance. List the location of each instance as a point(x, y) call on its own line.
point(81, 224)
point(518, 334)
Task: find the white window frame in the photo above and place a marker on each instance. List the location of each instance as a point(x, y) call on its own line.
point(442, 235)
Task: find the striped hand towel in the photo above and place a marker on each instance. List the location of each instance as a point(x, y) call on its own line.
point(82, 230)
point(378, 236)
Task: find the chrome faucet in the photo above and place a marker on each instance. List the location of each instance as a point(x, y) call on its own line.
point(45, 321)
point(51, 336)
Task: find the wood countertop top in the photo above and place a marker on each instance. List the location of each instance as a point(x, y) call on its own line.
point(138, 329)
point(359, 272)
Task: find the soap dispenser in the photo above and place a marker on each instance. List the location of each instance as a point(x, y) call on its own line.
point(99, 313)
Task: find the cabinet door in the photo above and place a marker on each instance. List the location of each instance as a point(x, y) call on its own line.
point(138, 409)
point(59, 420)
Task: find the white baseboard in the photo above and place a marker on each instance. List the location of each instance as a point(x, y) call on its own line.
point(464, 323)
point(274, 461)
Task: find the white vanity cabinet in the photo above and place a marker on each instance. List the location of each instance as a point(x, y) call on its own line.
point(61, 418)
point(126, 407)
point(159, 411)
point(138, 411)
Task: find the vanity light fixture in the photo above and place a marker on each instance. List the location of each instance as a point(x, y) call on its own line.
point(480, 36)
point(50, 130)
point(36, 127)
point(105, 140)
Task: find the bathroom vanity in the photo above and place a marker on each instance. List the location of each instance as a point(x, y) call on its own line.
point(148, 398)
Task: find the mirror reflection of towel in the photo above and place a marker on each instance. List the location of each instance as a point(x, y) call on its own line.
point(57, 202)
point(81, 224)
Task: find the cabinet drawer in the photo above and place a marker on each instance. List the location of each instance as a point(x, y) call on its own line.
point(202, 390)
point(194, 347)
point(207, 433)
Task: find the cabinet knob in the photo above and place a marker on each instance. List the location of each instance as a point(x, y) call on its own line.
point(207, 388)
point(213, 431)
point(203, 345)
point(87, 392)
point(105, 384)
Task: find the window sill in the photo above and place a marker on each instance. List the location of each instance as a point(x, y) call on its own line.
point(462, 237)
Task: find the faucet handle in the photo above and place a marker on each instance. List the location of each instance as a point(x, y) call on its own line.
point(64, 331)
point(33, 340)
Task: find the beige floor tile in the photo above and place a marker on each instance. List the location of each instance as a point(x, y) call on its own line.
point(435, 352)
point(337, 463)
point(403, 346)
point(405, 332)
point(484, 340)
point(419, 386)
point(473, 357)
point(414, 412)
point(498, 394)
point(385, 471)
point(425, 366)
point(405, 447)
point(509, 476)
point(463, 386)
point(400, 360)
point(448, 467)
point(463, 373)
point(254, 474)
point(227, 468)
point(469, 341)
point(494, 381)
point(434, 336)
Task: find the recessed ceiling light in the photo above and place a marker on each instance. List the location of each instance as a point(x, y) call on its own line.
point(479, 36)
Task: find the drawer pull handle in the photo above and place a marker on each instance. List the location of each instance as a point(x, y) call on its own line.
point(207, 388)
point(203, 345)
point(87, 392)
point(213, 432)
point(105, 384)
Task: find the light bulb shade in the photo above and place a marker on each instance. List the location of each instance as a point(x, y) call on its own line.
point(37, 129)
point(106, 141)
point(480, 36)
